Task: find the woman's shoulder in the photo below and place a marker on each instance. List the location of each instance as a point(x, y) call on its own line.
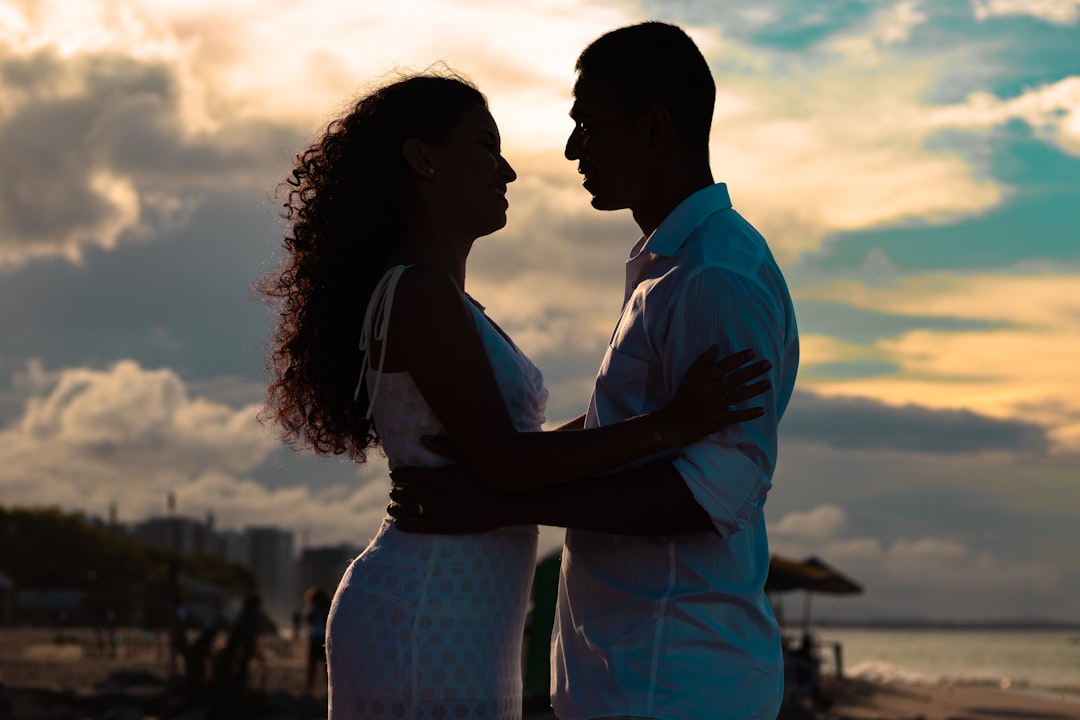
point(427, 290)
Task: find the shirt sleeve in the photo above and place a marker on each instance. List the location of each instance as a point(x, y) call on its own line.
point(730, 471)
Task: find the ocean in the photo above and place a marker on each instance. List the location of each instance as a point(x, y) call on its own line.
point(1034, 660)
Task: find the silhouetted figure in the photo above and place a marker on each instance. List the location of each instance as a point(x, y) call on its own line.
point(241, 646)
point(316, 609)
point(805, 662)
point(195, 661)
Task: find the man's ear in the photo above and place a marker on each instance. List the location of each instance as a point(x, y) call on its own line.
point(657, 125)
point(417, 155)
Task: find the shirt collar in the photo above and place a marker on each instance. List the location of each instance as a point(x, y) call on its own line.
point(685, 218)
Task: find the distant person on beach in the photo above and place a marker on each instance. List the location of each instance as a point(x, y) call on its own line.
point(233, 662)
point(379, 344)
point(661, 608)
point(316, 610)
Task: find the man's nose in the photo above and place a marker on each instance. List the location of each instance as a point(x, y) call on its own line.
point(572, 151)
point(508, 171)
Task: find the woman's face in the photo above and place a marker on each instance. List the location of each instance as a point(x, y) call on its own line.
point(471, 175)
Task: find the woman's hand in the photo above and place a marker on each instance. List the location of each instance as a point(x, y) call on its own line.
point(703, 403)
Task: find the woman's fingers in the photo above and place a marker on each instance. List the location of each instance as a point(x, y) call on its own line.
point(738, 416)
point(705, 360)
point(732, 361)
point(744, 374)
point(745, 392)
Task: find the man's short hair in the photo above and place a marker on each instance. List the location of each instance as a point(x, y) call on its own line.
point(651, 63)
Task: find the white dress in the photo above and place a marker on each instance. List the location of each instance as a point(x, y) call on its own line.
point(430, 626)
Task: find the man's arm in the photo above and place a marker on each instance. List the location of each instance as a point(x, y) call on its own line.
point(647, 500)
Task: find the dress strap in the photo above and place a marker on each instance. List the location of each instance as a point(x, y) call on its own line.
point(376, 325)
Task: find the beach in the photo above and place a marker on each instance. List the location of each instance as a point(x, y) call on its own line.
point(55, 674)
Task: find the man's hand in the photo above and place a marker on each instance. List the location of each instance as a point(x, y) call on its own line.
point(449, 500)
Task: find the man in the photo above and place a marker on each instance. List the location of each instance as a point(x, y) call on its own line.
point(661, 608)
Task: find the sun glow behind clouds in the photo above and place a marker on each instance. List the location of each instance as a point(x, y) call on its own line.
point(1025, 371)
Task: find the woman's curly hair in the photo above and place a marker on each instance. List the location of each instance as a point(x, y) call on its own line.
point(346, 203)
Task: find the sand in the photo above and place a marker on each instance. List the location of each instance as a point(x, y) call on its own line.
point(860, 700)
point(67, 674)
point(46, 675)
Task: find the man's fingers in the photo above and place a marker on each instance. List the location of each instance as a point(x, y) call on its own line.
point(442, 445)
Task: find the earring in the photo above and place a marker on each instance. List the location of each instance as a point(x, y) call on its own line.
point(431, 171)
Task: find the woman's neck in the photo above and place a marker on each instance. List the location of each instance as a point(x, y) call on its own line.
point(427, 244)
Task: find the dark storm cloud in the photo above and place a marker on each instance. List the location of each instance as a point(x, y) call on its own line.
point(859, 424)
point(94, 147)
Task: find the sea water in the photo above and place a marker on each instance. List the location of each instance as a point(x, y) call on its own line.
point(1037, 660)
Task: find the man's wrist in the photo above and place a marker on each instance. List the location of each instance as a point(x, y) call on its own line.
point(512, 509)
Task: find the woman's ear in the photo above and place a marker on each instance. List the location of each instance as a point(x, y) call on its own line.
point(418, 156)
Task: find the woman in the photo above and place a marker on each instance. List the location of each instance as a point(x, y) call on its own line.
point(378, 344)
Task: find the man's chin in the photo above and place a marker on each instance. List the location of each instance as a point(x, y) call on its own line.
point(599, 202)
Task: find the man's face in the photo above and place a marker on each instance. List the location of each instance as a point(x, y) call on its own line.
point(607, 148)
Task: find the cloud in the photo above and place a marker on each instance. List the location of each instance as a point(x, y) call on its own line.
point(97, 152)
point(1013, 370)
point(129, 435)
point(889, 26)
point(930, 576)
point(813, 131)
point(1051, 110)
point(1058, 12)
point(822, 522)
point(139, 418)
point(214, 77)
point(866, 424)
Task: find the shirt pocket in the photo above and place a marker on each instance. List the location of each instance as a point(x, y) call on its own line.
point(623, 382)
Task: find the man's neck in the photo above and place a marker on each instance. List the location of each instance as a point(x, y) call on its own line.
point(666, 195)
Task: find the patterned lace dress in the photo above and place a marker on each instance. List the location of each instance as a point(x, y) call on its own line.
point(430, 626)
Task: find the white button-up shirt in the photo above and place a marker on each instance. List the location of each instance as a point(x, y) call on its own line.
point(678, 627)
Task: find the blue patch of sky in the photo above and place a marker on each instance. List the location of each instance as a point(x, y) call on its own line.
point(1005, 55)
point(1038, 221)
point(801, 27)
point(790, 25)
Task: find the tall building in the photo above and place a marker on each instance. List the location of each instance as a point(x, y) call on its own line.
point(269, 552)
point(233, 546)
point(271, 558)
point(183, 535)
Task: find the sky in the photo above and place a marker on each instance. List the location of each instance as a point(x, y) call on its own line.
point(915, 166)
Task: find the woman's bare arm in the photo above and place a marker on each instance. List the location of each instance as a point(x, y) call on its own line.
point(433, 336)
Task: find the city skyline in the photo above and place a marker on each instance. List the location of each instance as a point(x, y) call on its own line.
point(914, 166)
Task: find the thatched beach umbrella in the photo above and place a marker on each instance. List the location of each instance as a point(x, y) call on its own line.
point(810, 575)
